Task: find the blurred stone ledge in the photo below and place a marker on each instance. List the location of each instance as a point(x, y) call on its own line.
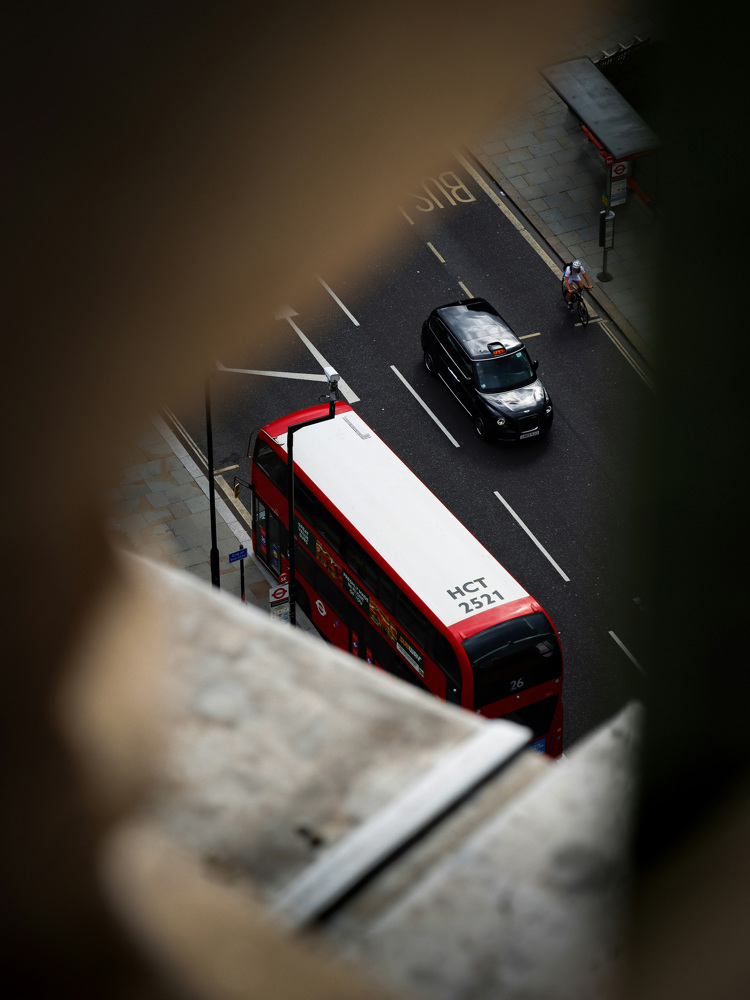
point(277, 746)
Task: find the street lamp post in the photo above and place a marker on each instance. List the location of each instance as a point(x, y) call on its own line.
point(333, 381)
point(215, 576)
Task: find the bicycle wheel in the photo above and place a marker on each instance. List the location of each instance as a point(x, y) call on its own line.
point(583, 313)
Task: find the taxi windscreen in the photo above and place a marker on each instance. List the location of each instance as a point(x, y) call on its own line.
point(509, 371)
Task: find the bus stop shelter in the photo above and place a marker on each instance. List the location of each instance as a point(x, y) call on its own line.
point(615, 128)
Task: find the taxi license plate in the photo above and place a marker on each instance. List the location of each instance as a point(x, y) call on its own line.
point(528, 434)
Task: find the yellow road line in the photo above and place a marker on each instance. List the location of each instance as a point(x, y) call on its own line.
point(237, 504)
point(183, 431)
point(466, 290)
point(441, 259)
point(627, 356)
point(529, 335)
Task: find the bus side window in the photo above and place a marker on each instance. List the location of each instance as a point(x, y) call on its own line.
point(269, 462)
point(305, 563)
point(261, 528)
point(330, 529)
point(412, 620)
point(331, 595)
point(391, 662)
point(277, 535)
point(313, 511)
point(445, 656)
point(387, 594)
point(361, 564)
point(304, 502)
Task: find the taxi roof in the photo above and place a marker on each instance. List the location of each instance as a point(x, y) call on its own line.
point(476, 324)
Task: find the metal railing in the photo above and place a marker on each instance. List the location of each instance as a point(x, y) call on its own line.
point(621, 53)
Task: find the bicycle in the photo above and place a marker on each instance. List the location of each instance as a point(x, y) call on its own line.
point(579, 303)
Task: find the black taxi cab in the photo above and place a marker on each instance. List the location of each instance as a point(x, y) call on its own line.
point(485, 366)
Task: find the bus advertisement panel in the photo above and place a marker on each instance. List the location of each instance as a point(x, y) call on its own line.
point(386, 572)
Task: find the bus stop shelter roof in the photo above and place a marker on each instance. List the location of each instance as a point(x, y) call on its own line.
point(600, 108)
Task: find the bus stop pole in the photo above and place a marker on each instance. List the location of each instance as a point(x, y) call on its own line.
point(606, 240)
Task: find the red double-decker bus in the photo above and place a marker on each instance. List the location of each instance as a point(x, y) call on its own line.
point(386, 572)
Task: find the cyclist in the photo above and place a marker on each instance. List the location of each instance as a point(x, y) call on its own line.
point(575, 275)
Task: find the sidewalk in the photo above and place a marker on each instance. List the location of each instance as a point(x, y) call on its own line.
point(161, 509)
point(542, 160)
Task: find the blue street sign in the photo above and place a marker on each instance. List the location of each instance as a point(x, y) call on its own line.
point(234, 556)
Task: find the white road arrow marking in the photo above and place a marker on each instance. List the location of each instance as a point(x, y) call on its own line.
point(286, 312)
point(338, 301)
point(252, 371)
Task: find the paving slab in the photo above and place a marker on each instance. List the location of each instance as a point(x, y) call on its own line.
point(187, 492)
point(196, 504)
point(131, 506)
point(192, 558)
point(179, 509)
point(161, 509)
point(134, 490)
point(158, 499)
point(135, 474)
point(182, 476)
point(173, 545)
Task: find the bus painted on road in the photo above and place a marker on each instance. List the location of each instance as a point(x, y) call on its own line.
point(386, 572)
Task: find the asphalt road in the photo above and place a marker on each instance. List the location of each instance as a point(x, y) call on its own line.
point(579, 548)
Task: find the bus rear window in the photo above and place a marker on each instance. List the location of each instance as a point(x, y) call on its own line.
point(511, 657)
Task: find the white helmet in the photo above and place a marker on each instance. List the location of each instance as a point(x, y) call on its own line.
point(576, 265)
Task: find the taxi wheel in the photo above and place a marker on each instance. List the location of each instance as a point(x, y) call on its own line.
point(481, 426)
point(429, 363)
